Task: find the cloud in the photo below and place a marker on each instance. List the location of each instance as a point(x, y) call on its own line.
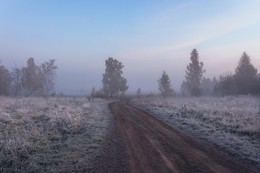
point(193, 32)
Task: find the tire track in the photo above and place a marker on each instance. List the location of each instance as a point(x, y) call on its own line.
point(154, 146)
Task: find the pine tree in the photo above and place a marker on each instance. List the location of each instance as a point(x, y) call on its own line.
point(165, 85)
point(194, 72)
point(245, 75)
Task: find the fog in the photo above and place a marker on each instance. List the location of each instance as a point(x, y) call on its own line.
point(148, 37)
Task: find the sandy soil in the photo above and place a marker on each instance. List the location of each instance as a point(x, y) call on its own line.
point(153, 146)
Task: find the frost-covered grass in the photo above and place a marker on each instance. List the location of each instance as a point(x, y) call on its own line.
point(231, 123)
point(51, 134)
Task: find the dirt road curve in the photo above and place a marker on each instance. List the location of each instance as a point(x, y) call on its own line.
point(155, 147)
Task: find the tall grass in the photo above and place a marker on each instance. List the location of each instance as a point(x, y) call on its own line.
point(47, 135)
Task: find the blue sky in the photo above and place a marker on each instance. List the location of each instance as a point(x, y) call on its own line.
point(148, 36)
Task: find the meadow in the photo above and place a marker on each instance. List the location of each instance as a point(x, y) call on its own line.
point(66, 134)
point(232, 124)
point(59, 134)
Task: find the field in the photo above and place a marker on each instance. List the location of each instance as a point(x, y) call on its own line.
point(51, 134)
point(230, 123)
point(72, 134)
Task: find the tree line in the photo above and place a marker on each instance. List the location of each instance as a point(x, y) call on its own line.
point(245, 80)
point(31, 80)
point(34, 80)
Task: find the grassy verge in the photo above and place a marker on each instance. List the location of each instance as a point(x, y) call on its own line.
point(50, 135)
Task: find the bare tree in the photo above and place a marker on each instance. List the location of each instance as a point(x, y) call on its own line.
point(17, 80)
point(113, 82)
point(5, 80)
point(165, 85)
point(194, 72)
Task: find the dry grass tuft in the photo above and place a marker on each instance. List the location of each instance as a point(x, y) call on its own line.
point(49, 135)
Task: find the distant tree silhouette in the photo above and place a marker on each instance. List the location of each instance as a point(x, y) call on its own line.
point(93, 92)
point(258, 84)
point(194, 72)
point(123, 85)
point(100, 93)
point(113, 82)
point(244, 81)
point(226, 85)
point(39, 80)
point(17, 74)
point(208, 85)
point(138, 93)
point(30, 81)
point(165, 85)
point(47, 72)
point(245, 76)
point(5, 80)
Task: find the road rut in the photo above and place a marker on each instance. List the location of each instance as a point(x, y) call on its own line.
point(153, 146)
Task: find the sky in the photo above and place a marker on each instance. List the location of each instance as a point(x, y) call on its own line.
point(147, 36)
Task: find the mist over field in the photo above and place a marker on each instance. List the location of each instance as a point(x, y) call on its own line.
point(148, 37)
point(129, 86)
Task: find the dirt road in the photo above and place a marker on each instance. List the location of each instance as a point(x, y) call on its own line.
point(153, 146)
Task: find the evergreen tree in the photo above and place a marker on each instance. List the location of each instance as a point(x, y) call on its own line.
point(226, 85)
point(245, 75)
point(30, 81)
point(194, 72)
point(207, 86)
point(165, 85)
